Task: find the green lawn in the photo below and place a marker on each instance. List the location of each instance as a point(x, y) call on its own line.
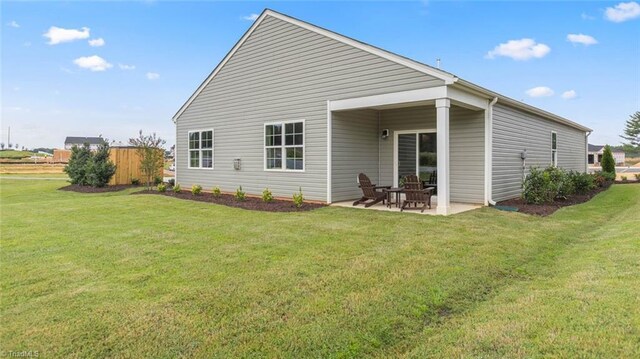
point(115, 275)
point(15, 154)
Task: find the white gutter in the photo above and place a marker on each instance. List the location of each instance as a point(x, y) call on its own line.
point(520, 105)
point(489, 154)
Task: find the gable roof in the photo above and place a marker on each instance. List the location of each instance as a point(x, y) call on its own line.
point(83, 140)
point(598, 148)
point(448, 78)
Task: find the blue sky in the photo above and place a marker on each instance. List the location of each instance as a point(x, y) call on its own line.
point(154, 54)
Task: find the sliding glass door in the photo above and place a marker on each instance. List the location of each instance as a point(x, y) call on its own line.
point(415, 154)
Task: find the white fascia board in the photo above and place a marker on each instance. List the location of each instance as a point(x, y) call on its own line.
point(221, 64)
point(444, 76)
point(447, 78)
point(519, 105)
point(467, 99)
point(389, 98)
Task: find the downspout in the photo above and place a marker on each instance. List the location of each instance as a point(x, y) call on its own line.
point(378, 135)
point(586, 151)
point(489, 150)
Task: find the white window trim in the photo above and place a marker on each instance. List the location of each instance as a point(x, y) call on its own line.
point(395, 149)
point(213, 154)
point(284, 155)
point(554, 157)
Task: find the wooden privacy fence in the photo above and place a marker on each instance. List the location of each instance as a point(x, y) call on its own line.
point(127, 161)
point(61, 156)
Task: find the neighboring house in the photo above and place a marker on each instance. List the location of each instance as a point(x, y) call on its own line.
point(294, 105)
point(594, 156)
point(93, 142)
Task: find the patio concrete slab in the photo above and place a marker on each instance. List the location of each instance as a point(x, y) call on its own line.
point(455, 207)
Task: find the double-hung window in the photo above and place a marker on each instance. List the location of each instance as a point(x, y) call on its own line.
point(201, 149)
point(554, 149)
point(284, 146)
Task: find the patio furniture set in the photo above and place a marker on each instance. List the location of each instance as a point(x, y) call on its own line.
point(415, 192)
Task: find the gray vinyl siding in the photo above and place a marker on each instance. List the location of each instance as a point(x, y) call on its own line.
point(356, 137)
point(281, 73)
point(466, 155)
point(513, 131)
point(355, 150)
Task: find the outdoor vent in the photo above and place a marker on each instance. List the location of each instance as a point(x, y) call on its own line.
point(236, 164)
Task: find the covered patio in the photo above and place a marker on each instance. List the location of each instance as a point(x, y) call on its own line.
point(436, 133)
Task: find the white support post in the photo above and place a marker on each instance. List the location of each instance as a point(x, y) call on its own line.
point(442, 128)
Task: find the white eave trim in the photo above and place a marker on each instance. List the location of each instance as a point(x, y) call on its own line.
point(447, 78)
point(519, 105)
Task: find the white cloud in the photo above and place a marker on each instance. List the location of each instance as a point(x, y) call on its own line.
point(153, 75)
point(58, 35)
point(252, 17)
point(623, 11)
point(13, 24)
point(586, 16)
point(586, 40)
point(568, 95)
point(93, 63)
point(126, 67)
point(522, 49)
point(540, 91)
point(96, 42)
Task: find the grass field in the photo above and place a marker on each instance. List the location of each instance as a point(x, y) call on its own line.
point(15, 154)
point(115, 275)
point(26, 168)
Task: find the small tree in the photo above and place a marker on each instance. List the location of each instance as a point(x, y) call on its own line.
point(608, 163)
point(151, 152)
point(100, 169)
point(77, 166)
point(632, 130)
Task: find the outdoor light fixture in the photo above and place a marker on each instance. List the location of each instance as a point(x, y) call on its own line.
point(385, 134)
point(236, 164)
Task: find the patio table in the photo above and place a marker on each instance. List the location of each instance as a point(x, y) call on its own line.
point(393, 190)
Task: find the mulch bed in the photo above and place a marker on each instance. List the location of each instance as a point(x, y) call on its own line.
point(89, 189)
point(251, 203)
point(548, 208)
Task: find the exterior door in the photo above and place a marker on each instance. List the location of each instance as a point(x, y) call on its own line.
point(415, 153)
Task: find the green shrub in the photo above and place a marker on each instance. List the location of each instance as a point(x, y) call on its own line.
point(171, 182)
point(623, 178)
point(162, 187)
point(598, 179)
point(196, 189)
point(157, 180)
point(609, 176)
point(176, 188)
point(100, 169)
point(637, 176)
point(135, 181)
point(88, 168)
point(216, 191)
point(298, 198)
point(267, 196)
point(240, 195)
point(77, 167)
point(538, 187)
point(582, 182)
point(608, 163)
point(560, 179)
